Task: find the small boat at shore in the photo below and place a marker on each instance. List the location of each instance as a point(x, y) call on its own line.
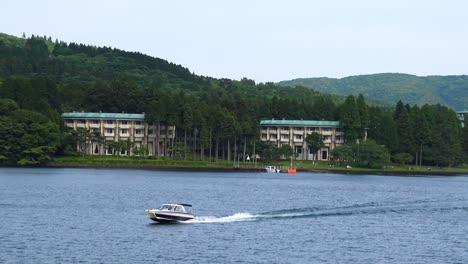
point(171, 213)
point(272, 169)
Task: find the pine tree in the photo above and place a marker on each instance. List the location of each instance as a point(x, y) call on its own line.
point(364, 116)
point(350, 120)
point(405, 133)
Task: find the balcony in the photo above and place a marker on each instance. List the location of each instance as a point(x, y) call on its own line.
point(93, 125)
point(298, 132)
point(124, 125)
point(284, 139)
point(284, 131)
point(109, 125)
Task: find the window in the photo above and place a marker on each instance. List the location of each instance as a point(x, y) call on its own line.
point(298, 137)
point(285, 137)
point(264, 136)
point(82, 121)
point(124, 131)
point(138, 123)
point(150, 131)
point(273, 137)
point(95, 122)
point(110, 122)
point(138, 132)
point(123, 122)
point(109, 131)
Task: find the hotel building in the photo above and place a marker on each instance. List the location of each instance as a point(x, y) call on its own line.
point(117, 127)
point(294, 134)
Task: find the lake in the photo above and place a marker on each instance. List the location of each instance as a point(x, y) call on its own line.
point(98, 216)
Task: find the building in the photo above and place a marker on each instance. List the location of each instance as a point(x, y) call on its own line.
point(118, 127)
point(294, 133)
point(462, 116)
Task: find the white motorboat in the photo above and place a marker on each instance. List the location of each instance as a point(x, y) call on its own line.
point(272, 169)
point(171, 213)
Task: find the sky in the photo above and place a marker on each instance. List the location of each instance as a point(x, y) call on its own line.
point(263, 40)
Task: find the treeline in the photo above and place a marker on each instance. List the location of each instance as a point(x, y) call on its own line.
point(215, 118)
point(220, 119)
point(66, 62)
point(427, 135)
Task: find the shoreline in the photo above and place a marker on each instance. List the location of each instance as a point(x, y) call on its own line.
point(353, 171)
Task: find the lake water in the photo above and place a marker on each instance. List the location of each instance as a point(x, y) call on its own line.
point(97, 216)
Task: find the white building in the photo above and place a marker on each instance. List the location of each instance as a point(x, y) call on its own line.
point(294, 134)
point(117, 127)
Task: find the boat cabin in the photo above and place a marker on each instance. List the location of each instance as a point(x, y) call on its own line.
point(179, 208)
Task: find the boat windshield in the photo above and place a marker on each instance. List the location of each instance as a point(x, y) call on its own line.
point(166, 207)
point(176, 208)
point(188, 209)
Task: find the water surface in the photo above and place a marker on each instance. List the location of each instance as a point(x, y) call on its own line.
point(97, 216)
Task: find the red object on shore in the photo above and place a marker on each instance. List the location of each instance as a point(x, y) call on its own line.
point(292, 170)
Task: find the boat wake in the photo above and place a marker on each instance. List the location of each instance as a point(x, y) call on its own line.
point(314, 212)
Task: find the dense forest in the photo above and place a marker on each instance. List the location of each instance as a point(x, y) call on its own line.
point(451, 91)
point(41, 78)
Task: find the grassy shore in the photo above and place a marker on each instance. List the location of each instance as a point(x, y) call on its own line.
point(320, 166)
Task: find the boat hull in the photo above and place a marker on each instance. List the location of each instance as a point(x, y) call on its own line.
point(167, 216)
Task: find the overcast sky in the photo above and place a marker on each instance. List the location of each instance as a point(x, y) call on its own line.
point(264, 40)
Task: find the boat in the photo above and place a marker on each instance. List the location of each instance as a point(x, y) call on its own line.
point(171, 213)
point(272, 169)
point(291, 169)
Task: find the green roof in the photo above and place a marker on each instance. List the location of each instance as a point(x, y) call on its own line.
point(84, 115)
point(303, 123)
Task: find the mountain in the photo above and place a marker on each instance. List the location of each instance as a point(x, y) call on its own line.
point(73, 62)
point(451, 91)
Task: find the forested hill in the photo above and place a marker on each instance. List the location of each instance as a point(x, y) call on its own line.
point(64, 62)
point(41, 78)
point(451, 91)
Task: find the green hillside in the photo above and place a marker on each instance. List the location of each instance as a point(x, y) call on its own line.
point(215, 119)
point(451, 91)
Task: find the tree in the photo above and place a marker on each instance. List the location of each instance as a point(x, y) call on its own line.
point(367, 154)
point(420, 132)
point(406, 142)
point(350, 120)
point(403, 158)
point(140, 151)
point(314, 143)
point(363, 115)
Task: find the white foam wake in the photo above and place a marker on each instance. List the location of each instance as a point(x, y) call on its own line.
point(239, 217)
